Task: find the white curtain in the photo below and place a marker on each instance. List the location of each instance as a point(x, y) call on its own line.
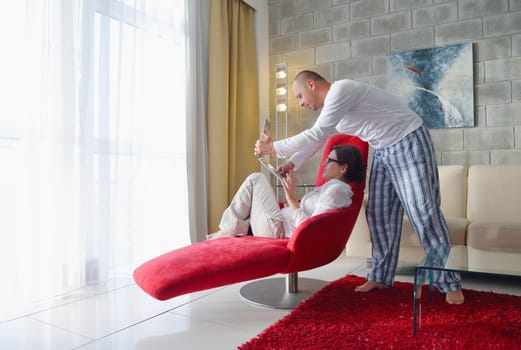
point(197, 86)
point(92, 141)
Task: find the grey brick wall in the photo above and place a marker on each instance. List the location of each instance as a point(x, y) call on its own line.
point(351, 39)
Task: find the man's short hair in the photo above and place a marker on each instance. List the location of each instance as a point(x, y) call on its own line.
point(306, 75)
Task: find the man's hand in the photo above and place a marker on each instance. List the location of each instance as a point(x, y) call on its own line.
point(264, 145)
point(284, 168)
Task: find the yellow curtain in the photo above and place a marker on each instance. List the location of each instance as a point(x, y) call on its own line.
point(233, 102)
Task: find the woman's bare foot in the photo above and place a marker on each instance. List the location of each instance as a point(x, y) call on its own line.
point(370, 285)
point(454, 297)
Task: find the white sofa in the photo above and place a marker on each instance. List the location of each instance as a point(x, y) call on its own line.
point(482, 206)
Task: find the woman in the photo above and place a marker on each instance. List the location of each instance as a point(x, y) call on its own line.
point(255, 204)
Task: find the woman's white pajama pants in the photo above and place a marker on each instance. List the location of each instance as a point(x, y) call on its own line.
point(254, 204)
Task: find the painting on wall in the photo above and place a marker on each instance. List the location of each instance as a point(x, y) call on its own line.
point(437, 84)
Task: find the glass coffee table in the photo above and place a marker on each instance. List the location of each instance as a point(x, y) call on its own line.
point(456, 258)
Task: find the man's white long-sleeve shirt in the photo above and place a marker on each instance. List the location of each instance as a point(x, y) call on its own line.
point(354, 108)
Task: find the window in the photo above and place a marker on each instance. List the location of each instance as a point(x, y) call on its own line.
point(93, 143)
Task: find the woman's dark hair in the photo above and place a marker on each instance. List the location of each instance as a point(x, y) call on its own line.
point(355, 166)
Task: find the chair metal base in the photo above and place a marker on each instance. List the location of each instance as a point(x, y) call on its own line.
point(276, 292)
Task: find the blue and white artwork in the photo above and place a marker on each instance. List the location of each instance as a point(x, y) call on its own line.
point(437, 84)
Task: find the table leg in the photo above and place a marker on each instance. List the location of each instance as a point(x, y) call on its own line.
point(431, 288)
point(414, 302)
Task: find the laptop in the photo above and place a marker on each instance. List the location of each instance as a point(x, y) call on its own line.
point(269, 167)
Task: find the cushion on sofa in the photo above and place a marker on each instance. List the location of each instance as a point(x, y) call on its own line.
point(494, 207)
point(453, 189)
point(494, 193)
point(453, 192)
point(506, 261)
point(457, 231)
point(359, 243)
point(492, 235)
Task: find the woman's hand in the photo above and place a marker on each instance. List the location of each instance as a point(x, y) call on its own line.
point(289, 184)
point(264, 145)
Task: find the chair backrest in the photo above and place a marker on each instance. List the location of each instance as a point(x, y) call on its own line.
point(320, 239)
point(338, 140)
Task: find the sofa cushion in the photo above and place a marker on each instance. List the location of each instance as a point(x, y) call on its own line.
point(453, 189)
point(494, 260)
point(457, 231)
point(494, 193)
point(494, 235)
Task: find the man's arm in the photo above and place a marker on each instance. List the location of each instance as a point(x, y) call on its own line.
point(305, 144)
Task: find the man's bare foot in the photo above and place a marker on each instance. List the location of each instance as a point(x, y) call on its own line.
point(418, 292)
point(454, 297)
point(370, 285)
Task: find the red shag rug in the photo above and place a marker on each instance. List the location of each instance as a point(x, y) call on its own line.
point(336, 317)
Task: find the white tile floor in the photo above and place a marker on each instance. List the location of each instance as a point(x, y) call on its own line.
point(121, 316)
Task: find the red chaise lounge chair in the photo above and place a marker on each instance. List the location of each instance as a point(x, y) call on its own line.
point(213, 263)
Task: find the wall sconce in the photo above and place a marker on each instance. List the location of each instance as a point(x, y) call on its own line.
point(281, 107)
point(281, 99)
point(281, 74)
point(281, 91)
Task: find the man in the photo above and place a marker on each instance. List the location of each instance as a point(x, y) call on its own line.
point(404, 172)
